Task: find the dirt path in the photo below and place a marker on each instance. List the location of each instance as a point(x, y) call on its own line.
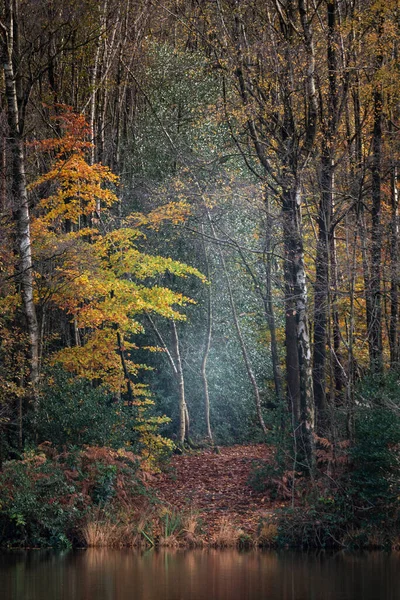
point(215, 486)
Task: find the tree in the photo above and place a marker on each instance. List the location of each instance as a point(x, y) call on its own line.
point(21, 212)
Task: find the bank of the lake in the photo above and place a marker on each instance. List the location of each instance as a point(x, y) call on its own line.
point(99, 497)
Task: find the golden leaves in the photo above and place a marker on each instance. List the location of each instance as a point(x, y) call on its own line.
point(99, 278)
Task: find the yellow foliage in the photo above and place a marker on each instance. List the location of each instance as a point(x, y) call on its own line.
point(99, 277)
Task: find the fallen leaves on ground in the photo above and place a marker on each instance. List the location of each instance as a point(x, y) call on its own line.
point(214, 486)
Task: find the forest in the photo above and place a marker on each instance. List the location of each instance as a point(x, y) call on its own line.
point(199, 262)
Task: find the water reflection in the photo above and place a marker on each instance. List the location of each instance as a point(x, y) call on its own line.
point(198, 575)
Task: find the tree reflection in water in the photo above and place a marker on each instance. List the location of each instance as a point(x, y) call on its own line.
point(103, 574)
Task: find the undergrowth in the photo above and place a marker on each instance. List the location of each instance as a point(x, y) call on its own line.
point(353, 499)
point(46, 497)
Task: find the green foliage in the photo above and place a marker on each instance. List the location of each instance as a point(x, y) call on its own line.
point(45, 497)
point(38, 505)
point(183, 92)
point(104, 488)
point(263, 476)
point(375, 478)
point(275, 478)
point(374, 481)
point(73, 412)
point(359, 507)
point(171, 523)
point(319, 523)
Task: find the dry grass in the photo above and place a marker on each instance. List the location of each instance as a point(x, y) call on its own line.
point(170, 541)
point(268, 534)
point(396, 543)
point(165, 528)
point(170, 527)
point(98, 534)
point(228, 535)
point(190, 533)
point(101, 531)
point(369, 538)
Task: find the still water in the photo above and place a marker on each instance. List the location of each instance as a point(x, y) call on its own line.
point(198, 575)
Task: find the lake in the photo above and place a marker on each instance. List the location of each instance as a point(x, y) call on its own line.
point(97, 574)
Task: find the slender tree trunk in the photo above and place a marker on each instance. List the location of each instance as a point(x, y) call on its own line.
point(127, 377)
point(268, 303)
point(94, 84)
point(375, 326)
point(394, 271)
point(207, 344)
point(20, 200)
point(183, 411)
point(267, 296)
point(351, 252)
point(3, 174)
point(336, 354)
point(321, 291)
point(292, 355)
point(323, 255)
point(177, 370)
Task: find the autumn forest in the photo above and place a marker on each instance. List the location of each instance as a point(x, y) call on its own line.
point(199, 261)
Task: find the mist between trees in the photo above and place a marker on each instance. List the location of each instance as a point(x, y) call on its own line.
point(199, 225)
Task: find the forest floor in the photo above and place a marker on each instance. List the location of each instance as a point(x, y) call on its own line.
point(215, 487)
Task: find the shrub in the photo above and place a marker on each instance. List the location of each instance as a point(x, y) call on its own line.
point(358, 508)
point(73, 412)
point(38, 505)
point(46, 497)
point(374, 482)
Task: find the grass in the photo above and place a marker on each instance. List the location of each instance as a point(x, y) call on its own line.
point(169, 529)
point(191, 526)
point(267, 534)
point(164, 527)
point(103, 530)
point(98, 534)
point(228, 535)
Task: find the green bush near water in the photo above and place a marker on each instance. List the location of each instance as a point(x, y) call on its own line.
point(361, 508)
point(358, 505)
point(45, 498)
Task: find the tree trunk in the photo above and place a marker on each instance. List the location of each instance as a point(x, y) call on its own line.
point(183, 411)
point(177, 370)
point(321, 291)
point(375, 326)
point(207, 344)
point(394, 272)
point(268, 304)
point(298, 350)
point(330, 119)
point(20, 201)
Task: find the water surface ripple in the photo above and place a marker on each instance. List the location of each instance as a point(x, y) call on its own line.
point(98, 574)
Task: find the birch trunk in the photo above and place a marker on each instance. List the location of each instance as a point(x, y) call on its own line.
point(183, 411)
point(207, 345)
point(298, 348)
point(177, 369)
point(394, 272)
point(20, 200)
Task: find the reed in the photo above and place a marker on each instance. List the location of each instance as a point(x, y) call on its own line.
point(99, 534)
point(228, 535)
